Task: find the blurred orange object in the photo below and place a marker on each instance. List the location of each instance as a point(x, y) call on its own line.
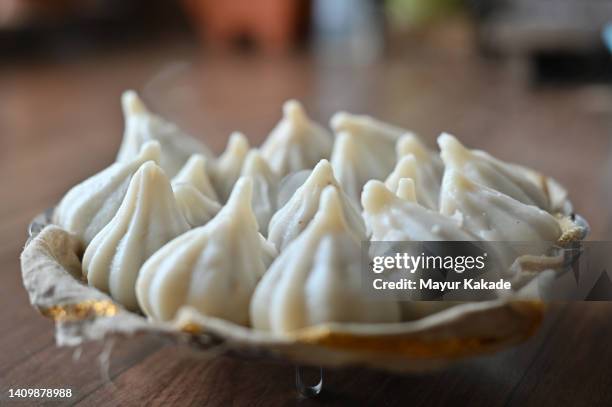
point(273, 25)
point(18, 13)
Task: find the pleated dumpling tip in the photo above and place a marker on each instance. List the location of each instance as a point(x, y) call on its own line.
point(393, 218)
point(368, 154)
point(410, 144)
point(366, 125)
point(297, 142)
point(317, 279)
point(196, 208)
point(131, 104)
point(453, 153)
point(492, 215)
point(509, 179)
point(90, 205)
point(290, 220)
point(147, 218)
point(426, 169)
point(141, 126)
point(195, 173)
point(265, 187)
point(225, 170)
point(238, 204)
point(352, 166)
point(376, 197)
point(213, 269)
point(330, 216)
point(406, 167)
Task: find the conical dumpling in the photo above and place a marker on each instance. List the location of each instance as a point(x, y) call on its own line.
point(378, 137)
point(393, 219)
point(90, 205)
point(213, 268)
point(424, 166)
point(351, 166)
point(141, 126)
point(492, 215)
point(195, 173)
point(225, 170)
point(396, 220)
point(147, 218)
point(510, 179)
point(292, 219)
point(317, 279)
point(265, 184)
point(196, 208)
point(364, 149)
point(296, 143)
point(369, 127)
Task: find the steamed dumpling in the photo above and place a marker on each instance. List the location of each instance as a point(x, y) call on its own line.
point(367, 127)
point(265, 184)
point(225, 170)
point(147, 218)
point(510, 179)
point(90, 205)
point(213, 268)
point(317, 279)
point(351, 165)
point(195, 173)
point(141, 126)
point(391, 218)
point(364, 149)
point(196, 208)
point(374, 142)
point(294, 216)
point(424, 166)
point(394, 220)
point(492, 215)
point(296, 143)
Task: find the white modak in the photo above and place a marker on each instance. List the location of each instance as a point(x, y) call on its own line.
point(213, 268)
point(317, 278)
point(270, 237)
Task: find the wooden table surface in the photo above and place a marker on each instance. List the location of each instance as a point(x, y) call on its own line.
point(60, 122)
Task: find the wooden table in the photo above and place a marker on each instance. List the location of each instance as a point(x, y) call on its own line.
point(60, 122)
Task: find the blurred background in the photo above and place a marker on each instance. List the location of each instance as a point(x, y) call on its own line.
point(528, 81)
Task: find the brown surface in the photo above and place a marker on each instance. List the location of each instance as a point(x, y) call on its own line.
point(60, 122)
